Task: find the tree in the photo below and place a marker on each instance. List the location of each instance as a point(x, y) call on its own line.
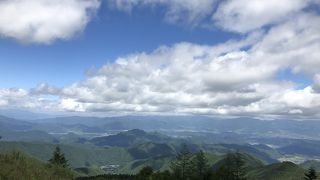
point(182, 167)
point(311, 174)
point(145, 173)
point(238, 168)
point(58, 158)
point(201, 166)
point(232, 168)
point(164, 175)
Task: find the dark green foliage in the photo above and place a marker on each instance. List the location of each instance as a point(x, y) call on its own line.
point(109, 177)
point(182, 167)
point(201, 166)
point(165, 175)
point(232, 168)
point(145, 173)
point(311, 174)
point(58, 158)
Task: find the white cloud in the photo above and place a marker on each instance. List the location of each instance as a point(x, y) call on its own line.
point(240, 16)
point(244, 16)
point(44, 21)
point(189, 11)
point(293, 44)
point(71, 105)
point(304, 98)
point(44, 88)
point(219, 79)
point(238, 77)
point(12, 96)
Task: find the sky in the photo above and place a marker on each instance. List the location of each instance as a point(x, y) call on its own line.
point(258, 58)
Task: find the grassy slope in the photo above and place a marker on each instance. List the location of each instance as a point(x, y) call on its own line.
point(18, 166)
point(283, 171)
point(78, 156)
point(256, 170)
point(311, 163)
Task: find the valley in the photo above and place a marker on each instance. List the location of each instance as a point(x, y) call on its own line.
point(124, 145)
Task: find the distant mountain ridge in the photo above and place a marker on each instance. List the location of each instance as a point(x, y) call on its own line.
point(276, 128)
point(129, 138)
point(14, 124)
point(283, 128)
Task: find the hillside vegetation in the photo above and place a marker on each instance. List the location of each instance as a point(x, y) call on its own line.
point(18, 166)
point(78, 156)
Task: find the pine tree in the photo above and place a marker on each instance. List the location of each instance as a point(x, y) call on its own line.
point(239, 170)
point(58, 158)
point(201, 166)
point(182, 166)
point(232, 169)
point(311, 174)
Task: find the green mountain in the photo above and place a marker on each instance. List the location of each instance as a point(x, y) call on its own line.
point(17, 165)
point(249, 161)
point(129, 138)
point(150, 150)
point(160, 163)
point(256, 170)
point(277, 171)
point(262, 154)
point(77, 155)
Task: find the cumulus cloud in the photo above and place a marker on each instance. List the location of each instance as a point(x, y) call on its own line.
point(44, 21)
point(238, 77)
point(220, 79)
point(244, 16)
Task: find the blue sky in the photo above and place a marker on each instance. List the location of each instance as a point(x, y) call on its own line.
point(207, 57)
point(109, 35)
